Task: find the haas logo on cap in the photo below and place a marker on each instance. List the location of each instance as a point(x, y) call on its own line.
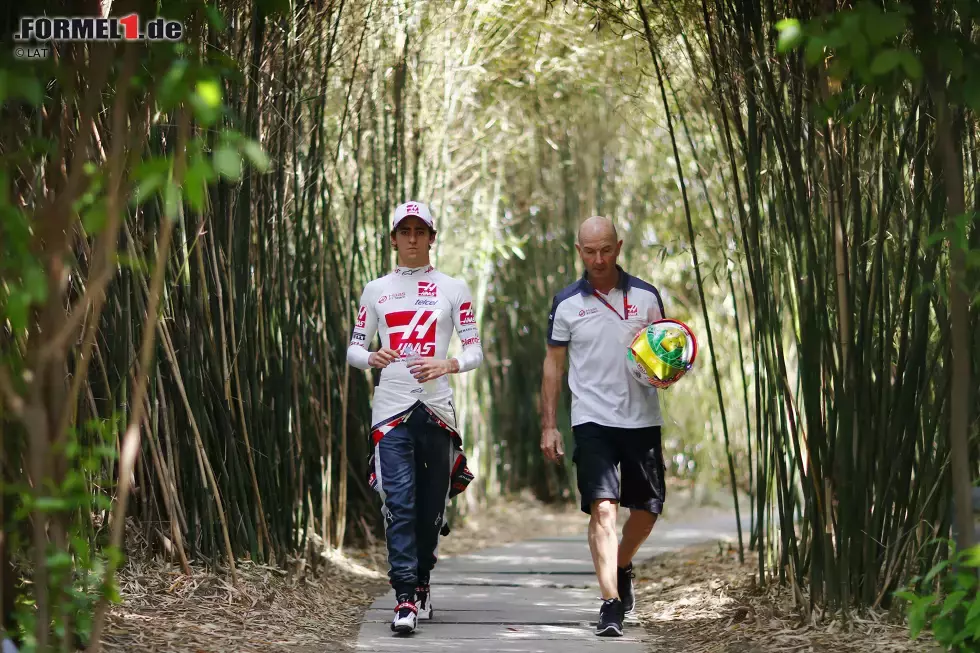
point(411, 208)
point(466, 314)
point(427, 289)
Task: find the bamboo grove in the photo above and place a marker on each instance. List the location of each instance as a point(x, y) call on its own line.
point(186, 232)
point(846, 165)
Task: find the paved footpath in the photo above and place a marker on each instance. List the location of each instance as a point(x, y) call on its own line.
point(535, 596)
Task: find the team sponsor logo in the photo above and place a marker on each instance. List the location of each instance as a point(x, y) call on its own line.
point(413, 332)
point(357, 336)
point(466, 314)
point(417, 391)
point(426, 302)
point(588, 311)
point(361, 317)
point(471, 341)
point(393, 296)
point(427, 288)
point(632, 310)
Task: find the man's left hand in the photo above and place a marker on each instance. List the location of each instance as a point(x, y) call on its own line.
point(430, 369)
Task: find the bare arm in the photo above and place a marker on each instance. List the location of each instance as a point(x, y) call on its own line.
point(554, 368)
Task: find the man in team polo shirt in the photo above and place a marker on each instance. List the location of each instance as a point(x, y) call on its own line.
point(615, 420)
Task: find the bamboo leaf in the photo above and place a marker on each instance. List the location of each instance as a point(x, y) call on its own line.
point(943, 629)
point(911, 64)
point(228, 162)
point(215, 17)
point(94, 218)
point(971, 556)
point(199, 174)
point(206, 101)
point(974, 611)
point(16, 308)
point(951, 602)
point(35, 284)
point(885, 61)
point(814, 52)
point(171, 200)
point(255, 154)
point(885, 26)
point(148, 187)
point(790, 34)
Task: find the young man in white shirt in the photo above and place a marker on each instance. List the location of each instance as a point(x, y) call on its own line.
point(615, 420)
point(415, 310)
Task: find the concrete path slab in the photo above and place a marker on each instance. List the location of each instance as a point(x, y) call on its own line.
point(536, 596)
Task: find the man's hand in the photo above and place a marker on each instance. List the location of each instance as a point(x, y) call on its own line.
point(430, 369)
point(552, 445)
point(382, 358)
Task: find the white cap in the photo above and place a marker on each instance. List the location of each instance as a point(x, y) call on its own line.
point(412, 209)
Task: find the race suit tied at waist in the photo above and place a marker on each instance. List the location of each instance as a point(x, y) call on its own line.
point(460, 474)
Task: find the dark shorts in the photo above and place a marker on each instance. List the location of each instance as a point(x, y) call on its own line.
point(639, 481)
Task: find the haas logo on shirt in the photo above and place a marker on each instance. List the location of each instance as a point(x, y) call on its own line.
point(413, 332)
point(427, 289)
point(466, 314)
point(361, 317)
point(631, 310)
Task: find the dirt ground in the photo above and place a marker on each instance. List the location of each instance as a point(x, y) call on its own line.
point(698, 600)
point(702, 600)
point(300, 610)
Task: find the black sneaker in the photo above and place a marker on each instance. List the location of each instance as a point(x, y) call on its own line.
point(624, 577)
point(423, 601)
point(406, 615)
point(610, 619)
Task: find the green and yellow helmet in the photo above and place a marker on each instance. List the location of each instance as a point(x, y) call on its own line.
point(662, 353)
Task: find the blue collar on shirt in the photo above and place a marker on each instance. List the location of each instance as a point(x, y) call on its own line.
point(625, 281)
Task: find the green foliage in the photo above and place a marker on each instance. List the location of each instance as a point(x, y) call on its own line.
point(878, 48)
point(863, 44)
point(957, 234)
point(74, 572)
point(946, 601)
point(160, 175)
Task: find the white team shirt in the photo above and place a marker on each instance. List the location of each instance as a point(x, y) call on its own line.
point(415, 311)
point(603, 391)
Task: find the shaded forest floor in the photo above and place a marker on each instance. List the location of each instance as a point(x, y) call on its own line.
point(698, 600)
point(702, 600)
point(298, 610)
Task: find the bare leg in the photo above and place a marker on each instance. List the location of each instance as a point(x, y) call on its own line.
point(635, 532)
point(603, 545)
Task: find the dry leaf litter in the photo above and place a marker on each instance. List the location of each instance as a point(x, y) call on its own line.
point(702, 600)
point(299, 609)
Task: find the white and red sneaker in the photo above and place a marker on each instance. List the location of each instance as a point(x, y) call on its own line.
point(406, 616)
point(423, 601)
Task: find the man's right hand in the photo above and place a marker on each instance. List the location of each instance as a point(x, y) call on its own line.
point(552, 444)
point(383, 357)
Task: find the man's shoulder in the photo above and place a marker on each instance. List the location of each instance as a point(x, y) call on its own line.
point(569, 292)
point(451, 284)
point(636, 283)
point(375, 285)
point(441, 277)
